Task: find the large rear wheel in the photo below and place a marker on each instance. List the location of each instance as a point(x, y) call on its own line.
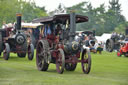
point(60, 61)
point(41, 55)
point(86, 61)
point(109, 45)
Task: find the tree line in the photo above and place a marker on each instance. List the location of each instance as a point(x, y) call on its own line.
point(29, 10)
point(100, 19)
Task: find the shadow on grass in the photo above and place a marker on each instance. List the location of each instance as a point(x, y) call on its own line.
point(15, 58)
point(65, 72)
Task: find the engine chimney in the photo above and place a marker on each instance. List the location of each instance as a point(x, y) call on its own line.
point(18, 27)
point(72, 25)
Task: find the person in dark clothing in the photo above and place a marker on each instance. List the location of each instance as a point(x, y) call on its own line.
point(58, 30)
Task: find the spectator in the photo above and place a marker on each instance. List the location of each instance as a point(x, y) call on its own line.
point(4, 25)
point(47, 30)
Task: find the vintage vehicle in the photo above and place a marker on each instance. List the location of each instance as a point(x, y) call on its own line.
point(13, 39)
point(33, 29)
point(87, 37)
point(57, 44)
point(124, 45)
point(90, 42)
point(114, 42)
point(123, 49)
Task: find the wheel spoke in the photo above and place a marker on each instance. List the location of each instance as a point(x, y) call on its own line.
point(41, 55)
point(86, 62)
point(39, 63)
point(60, 61)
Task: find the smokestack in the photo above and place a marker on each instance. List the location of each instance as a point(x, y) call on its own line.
point(18, 15)
point(72, 25)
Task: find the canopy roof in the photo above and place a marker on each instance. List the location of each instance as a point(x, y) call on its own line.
point(61, 18)
point(30, 25)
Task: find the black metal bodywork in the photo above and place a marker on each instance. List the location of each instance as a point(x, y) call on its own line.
point(35, 32)
point(17, 39)
point(68, 33)
point(114, 42)
point(14, 40)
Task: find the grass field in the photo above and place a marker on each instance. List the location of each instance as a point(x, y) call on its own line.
point(107, 69)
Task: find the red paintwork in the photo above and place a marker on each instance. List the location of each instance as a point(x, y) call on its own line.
point(123, 49)
point(118, 54)
point(54, 53)
point(8, 30)
point(53, 39)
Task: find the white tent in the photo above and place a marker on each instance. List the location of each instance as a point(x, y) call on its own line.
point(103, 38)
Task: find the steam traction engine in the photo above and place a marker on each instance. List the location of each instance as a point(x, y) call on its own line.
point(15, 40)
point(57, 44)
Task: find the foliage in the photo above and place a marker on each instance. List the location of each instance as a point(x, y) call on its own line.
point(114, 15)
point(121, 27)
point(100, 19)
point(6, 12)
point(29, 10)
point(78, 8)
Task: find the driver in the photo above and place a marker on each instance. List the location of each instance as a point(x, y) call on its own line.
point(58, 29)
point(47, 30)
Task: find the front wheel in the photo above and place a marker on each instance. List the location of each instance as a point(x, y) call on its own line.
point(70, 66)
point(109, 45)
point(126, 54)
point(6, 52)
point(86, 61)
point(30, 51)
point(60, 61)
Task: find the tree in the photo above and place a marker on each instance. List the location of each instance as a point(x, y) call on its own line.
point(31, 11)
point(78, 8)
point(114, 17)
point(121, 27)
point(9, 8)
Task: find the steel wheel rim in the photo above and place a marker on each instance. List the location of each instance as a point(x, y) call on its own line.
point(86, 62)
point(39, 58)
point(60, 62)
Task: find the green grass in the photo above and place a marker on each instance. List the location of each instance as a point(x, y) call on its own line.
point(107, 69)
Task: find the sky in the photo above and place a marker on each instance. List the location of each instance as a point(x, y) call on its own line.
point(50, 5)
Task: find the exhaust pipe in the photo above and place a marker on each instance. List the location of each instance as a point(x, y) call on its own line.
point(72, 26)
point(18, 27)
